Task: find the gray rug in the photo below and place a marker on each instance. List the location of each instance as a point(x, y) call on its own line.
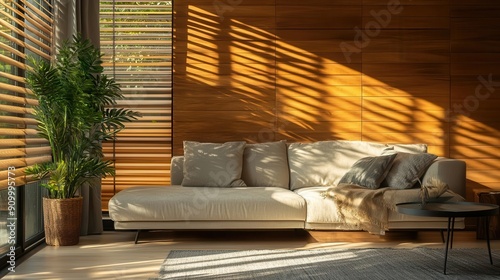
point(419, 263)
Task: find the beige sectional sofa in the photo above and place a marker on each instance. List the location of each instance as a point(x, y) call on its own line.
point(276, 185)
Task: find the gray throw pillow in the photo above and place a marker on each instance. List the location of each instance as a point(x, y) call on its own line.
point(407, 169)
point(213, 164)
point(266, 165)
point(369, 172)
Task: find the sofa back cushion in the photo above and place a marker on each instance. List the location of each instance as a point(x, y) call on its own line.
point(324, 163)
point(320, 163)
point(266, 165)
point(213, 164)
point(407, 148)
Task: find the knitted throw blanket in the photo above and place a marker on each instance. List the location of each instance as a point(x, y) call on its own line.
point(369, 209)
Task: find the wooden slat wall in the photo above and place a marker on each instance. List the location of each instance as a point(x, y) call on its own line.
point(224, 73)
point(318, 91)
point(475, 122)
point(406, 70)
point(267, 70)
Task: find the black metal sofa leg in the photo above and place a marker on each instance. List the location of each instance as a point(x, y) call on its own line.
point(137, 236)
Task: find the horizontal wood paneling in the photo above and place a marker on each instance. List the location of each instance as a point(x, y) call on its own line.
point(410, 127)
point(320, 69)
point(225, 73)
point(405, 103)
point(315, 82)
point(323, 69)
point(322, 103)
point(475, 58)
point(287, 116)
point(406, 9)
point(321, 126)
point(325, 90)
point(214, 80)
point(408, 57)
point(235, 56)
point(382, 17)
point(317, 17)
point(475, 55)
point(405, 69)
point(311, 136)
point(434, 139)
point(475, 151)
point(483, 164)
point(413, 2)
point(408, 41)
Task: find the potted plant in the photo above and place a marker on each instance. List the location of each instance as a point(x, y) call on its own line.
point(75, 114)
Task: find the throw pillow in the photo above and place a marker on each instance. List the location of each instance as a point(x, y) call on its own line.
point(213, 164)
point(266, 165)
point(369, 172)
point(407, 169)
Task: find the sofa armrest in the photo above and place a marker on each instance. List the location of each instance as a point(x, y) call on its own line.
point(177, 170)
point(450, 171)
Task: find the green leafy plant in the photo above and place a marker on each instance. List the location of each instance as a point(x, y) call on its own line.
point(75, 115)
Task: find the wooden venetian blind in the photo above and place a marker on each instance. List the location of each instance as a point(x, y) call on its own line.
point(136, 40)
point(25, 31)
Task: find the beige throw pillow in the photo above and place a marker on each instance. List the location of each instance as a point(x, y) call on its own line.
point(266, 165)
point(213, 164)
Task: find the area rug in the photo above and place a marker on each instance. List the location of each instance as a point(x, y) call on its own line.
point(328, 264)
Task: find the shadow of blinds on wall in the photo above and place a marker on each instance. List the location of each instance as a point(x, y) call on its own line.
point(25, 32)
point(136, 40)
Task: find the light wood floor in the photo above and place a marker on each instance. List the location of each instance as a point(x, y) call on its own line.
point(113, 255)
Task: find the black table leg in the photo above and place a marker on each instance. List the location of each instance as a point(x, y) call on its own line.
point(487, 229)
point(452, 231)
point(448, 232)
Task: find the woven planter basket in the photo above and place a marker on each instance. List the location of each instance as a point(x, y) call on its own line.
point(62, 218)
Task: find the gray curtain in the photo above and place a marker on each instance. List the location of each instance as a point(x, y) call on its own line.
point(87, 20)
point(72, 17)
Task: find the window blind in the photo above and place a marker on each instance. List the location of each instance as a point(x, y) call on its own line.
point(25, 31)
point(136, 40)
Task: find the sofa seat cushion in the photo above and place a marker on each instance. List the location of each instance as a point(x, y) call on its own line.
point(178, 203)
point(319, 209)
point(324, 212)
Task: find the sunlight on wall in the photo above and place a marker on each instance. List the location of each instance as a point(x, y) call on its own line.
point(313, 93)
point(274, 67)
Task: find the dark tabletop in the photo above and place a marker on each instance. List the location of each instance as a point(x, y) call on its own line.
point(448, 209)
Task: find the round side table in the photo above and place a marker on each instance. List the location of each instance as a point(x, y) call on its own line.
point(451, 210)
